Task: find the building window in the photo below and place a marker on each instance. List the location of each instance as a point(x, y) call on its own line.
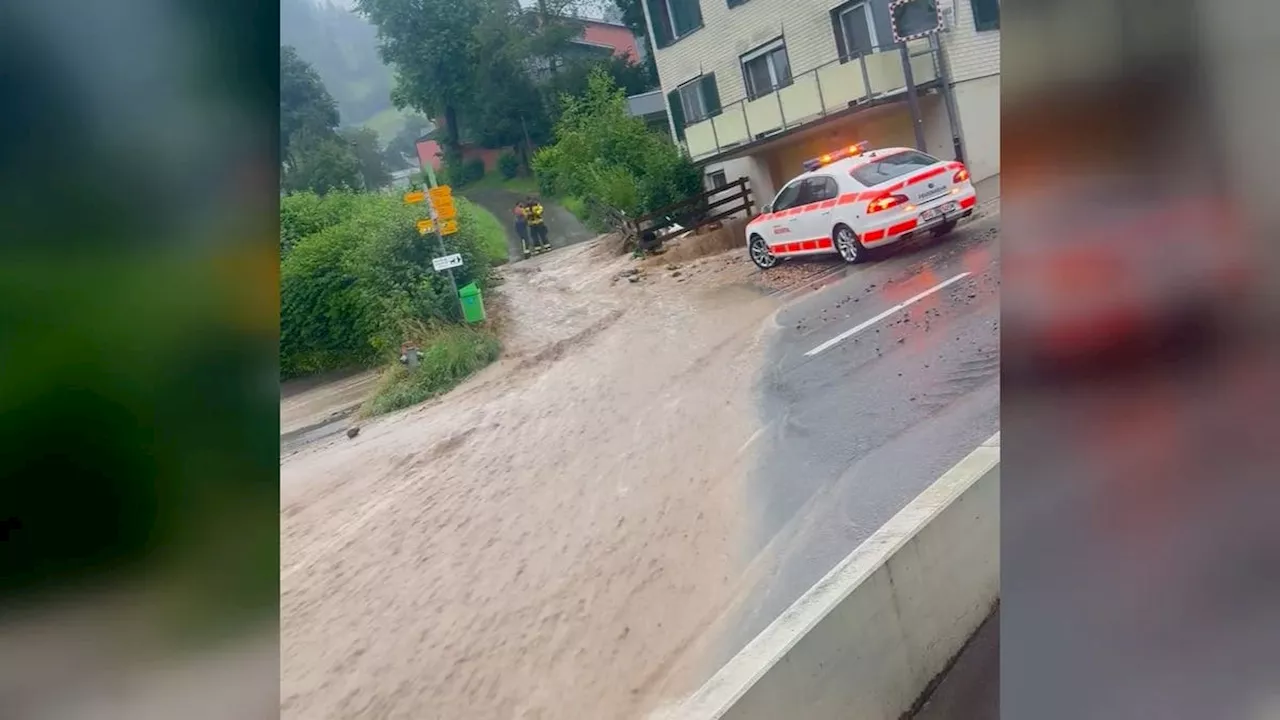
point(673, 19)
point(766, 69)
point(986, 14)
point(693, 102)
point(717, 180)
point(855, 30)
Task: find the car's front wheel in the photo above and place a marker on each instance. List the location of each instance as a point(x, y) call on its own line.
point(848, 245)
point(760, 253)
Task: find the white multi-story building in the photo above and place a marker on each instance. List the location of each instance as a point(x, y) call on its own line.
point(755, 87)
point(971, 43)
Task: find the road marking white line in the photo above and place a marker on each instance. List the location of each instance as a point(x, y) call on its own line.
point(864, 325)
point(754, 436)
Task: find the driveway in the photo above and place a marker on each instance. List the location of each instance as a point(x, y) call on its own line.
point(563, 227)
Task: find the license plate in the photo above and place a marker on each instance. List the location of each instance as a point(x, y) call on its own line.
point(934, 213)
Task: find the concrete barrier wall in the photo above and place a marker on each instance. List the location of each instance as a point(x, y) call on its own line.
point(865, 642)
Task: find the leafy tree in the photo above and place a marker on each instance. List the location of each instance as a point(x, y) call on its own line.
point(322, 163)
point(305, 104)
point(314, 156)
point(607, 157)
point(479, 66)
point(433, 47)
point(633, 17)
point(373, 165)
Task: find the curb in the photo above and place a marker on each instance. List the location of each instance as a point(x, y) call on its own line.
point(868, 638)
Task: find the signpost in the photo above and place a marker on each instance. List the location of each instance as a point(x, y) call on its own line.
point(912, 19)
point(443, 221)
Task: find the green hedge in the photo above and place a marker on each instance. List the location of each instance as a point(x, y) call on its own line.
point(357, 277)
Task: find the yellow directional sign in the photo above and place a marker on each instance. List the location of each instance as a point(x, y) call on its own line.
point(425, 226)
point(446, 211)
point(448, 227)
point(440, 192)
point(416, 196)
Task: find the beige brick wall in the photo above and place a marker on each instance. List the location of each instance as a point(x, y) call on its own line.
point(971, 54)
point(727, 33)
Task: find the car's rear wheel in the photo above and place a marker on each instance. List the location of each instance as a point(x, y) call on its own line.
point(848, 245)
point(760, 253)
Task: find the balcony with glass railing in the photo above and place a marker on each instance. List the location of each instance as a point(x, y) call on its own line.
point(811, 96)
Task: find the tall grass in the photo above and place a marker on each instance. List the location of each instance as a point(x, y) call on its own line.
point(449, 354)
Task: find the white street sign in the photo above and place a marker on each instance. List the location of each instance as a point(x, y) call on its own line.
point(448, 261)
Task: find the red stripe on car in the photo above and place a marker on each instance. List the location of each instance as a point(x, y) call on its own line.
point(902, 227)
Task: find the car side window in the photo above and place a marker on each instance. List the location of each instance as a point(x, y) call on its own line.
point(789, 197)
point(821, 188)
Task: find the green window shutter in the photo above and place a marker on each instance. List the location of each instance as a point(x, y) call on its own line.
point(686, 16)
point(677, 112)
point(695, 13)
point(711, 94)
point(661, 34)
point(986, 14)
point(842, 50)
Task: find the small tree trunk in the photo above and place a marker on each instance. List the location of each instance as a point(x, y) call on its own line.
point(451, 134)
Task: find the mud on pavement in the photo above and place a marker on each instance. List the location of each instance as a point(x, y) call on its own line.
point(550, 539)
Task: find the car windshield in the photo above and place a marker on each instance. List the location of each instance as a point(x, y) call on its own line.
point(891, 167)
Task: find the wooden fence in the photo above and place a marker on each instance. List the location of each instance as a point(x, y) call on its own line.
point(695, 212)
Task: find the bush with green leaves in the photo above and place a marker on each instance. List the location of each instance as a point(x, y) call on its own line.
point(360, 276)
point(607, 157)
point(306, 213)
point(508, 165)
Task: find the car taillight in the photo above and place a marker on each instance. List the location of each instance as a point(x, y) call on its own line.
point(960, 176)
point(885, 202)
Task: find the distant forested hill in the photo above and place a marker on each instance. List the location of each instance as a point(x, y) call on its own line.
point(343, 48)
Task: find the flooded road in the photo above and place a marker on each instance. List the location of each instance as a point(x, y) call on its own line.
point(550, 539)
point(652, 471)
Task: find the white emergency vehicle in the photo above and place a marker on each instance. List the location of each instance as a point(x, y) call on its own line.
point(855, 199)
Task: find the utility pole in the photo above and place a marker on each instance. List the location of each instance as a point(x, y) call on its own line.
point(948, 94)
point(913, 99)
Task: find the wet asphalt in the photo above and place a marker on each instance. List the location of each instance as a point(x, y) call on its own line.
point(853, 433)
point(563, 228)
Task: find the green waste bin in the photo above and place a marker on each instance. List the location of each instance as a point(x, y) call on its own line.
point(472, 303)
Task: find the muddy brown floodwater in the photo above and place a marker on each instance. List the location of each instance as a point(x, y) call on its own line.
point(551, 539)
